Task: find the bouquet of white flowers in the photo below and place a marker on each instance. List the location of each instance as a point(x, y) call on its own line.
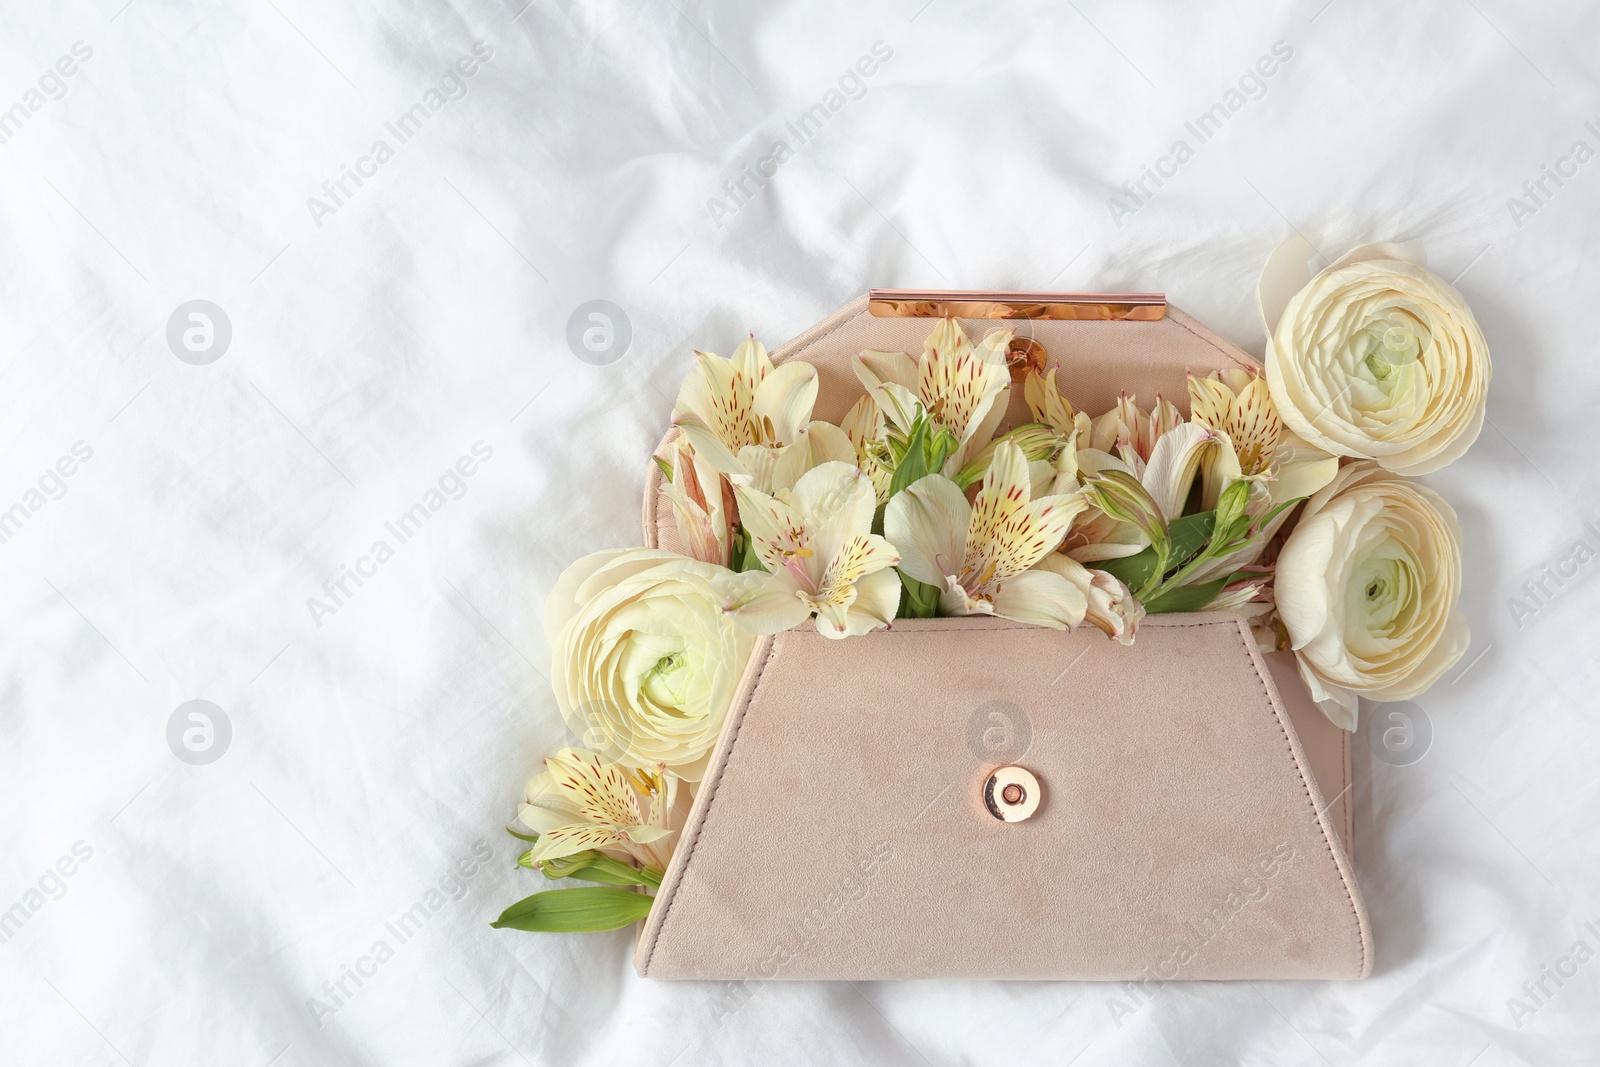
point(1280, 496)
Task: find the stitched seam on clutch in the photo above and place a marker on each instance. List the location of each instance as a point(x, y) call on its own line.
point(1247, 363)
point(1344, 804)
point(1327, 844)
point(890, 630)
point(821, 337)
point(688, 857)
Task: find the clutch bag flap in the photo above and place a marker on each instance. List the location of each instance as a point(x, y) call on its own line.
point(842, 831)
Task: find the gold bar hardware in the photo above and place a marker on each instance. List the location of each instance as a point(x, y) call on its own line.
point(1008, 304)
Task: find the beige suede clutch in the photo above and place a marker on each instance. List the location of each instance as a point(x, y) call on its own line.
point(1195, 820)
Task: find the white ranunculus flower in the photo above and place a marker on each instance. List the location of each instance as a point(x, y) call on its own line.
point(645, 661)
point(1375, 357)
point(1367, 586)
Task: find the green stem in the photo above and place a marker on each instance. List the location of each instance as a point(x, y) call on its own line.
point(1163, 547)
point(1212, 551)
point(615, 872)
point(1178, 577)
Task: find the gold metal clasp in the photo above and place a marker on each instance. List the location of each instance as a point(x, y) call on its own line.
point(1012, 794)
point(1008, 304)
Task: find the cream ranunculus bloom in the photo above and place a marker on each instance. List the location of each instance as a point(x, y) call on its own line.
point(1375, 357)
point(644, 659)
point(1367, 586)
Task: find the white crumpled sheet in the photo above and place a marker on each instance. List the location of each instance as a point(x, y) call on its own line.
point(383, 334)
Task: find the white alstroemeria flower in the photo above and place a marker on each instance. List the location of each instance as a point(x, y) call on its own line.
point(1374, 357)
point(1245, 597)
point(863, 425)
point(817, 544)
point(1131, 433)
point(1122, 439)
point(1176, 460)
point(979, 555)
point(745, 417)
point(702, 504)
point(1237, 404)
point(1111, 605)
point(582, 801)
point(1059, 471)
point(1368, 586)
point(963, 389)
point(1152, 493)
point(1048, 406)
point(819, 442)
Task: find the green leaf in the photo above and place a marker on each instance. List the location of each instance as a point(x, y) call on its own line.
point(1189, 534)
point(920, 452)
point(664, 466)
point(1132, 571)
point(914, 464)
point(742, 553)
point(1186, 536)
point(1187, 598)
point(522, 837)
point(1193, 597)
point(1266, 520)
point(918, 600)
point(564, 911)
